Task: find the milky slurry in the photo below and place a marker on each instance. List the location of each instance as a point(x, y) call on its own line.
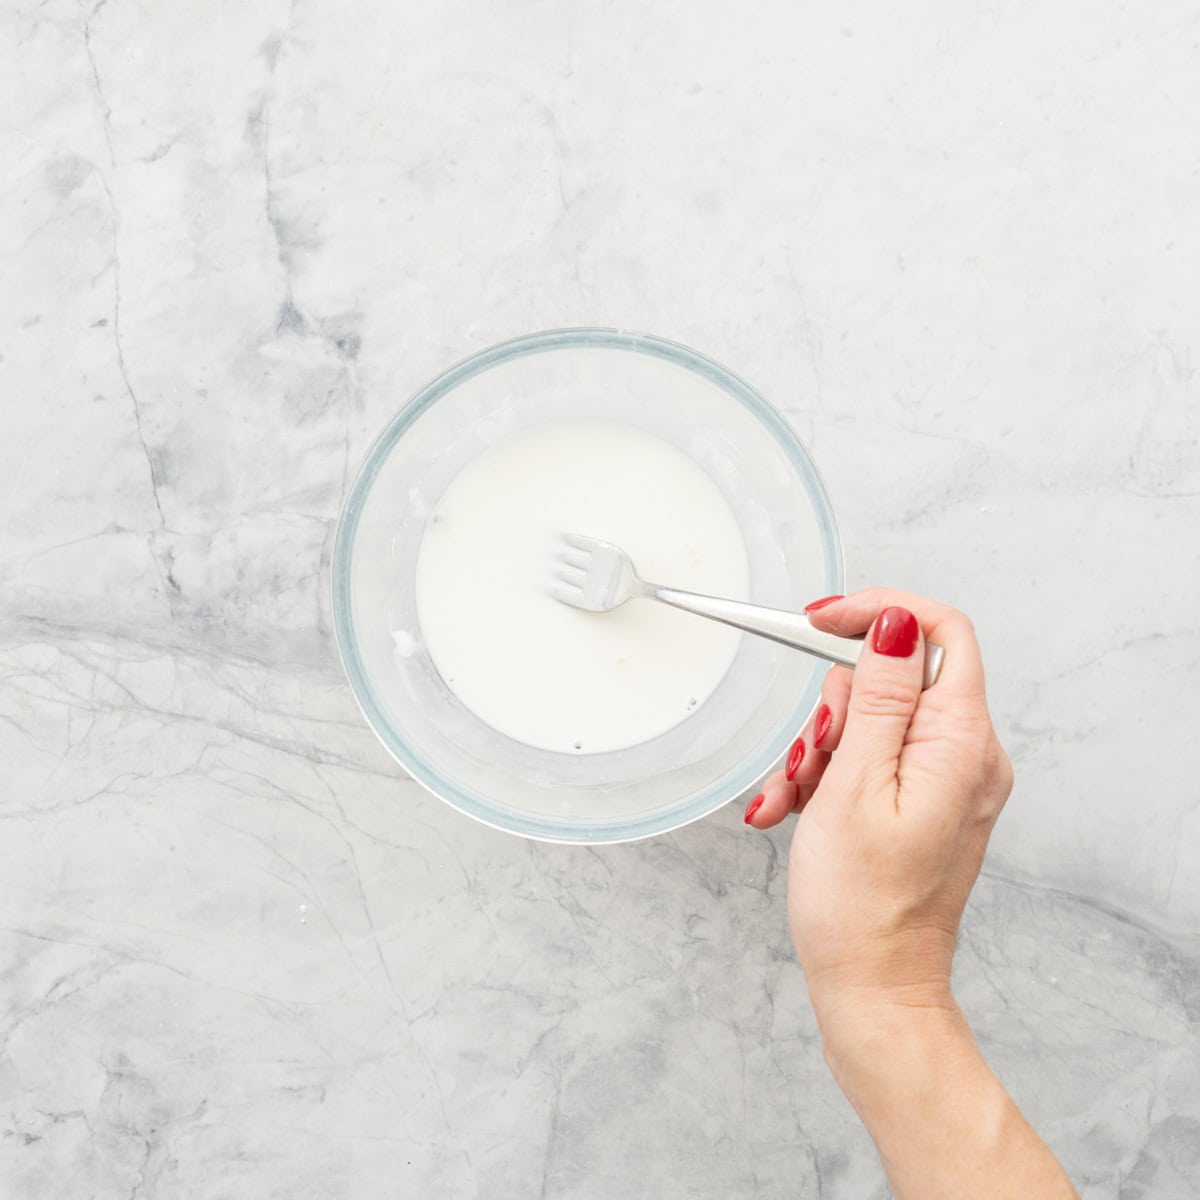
point(540, 671)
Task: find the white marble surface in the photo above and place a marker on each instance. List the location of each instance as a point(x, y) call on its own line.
point(958, 244)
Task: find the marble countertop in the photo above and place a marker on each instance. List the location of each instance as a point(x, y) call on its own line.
point(958, 245)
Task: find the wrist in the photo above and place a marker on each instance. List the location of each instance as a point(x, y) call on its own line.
point(901, 968)
point(941, 1121)
point(917, 1080)
point(868, 1038)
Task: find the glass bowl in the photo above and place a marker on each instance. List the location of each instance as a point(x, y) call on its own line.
point(730, 742)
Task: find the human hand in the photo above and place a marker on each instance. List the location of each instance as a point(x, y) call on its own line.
point(897, 791)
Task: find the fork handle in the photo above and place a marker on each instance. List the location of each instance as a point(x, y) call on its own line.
point(789, 628)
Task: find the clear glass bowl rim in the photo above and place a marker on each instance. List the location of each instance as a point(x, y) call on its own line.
point(587, 337)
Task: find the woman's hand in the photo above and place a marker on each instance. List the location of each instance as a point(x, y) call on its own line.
point(897, 791)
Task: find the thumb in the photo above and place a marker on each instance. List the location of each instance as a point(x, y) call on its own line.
point(885, 688)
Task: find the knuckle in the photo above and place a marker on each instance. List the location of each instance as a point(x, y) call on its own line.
point(886, 696)
point(837, 679)
point(1003, 772)
point(997, 782)
point(961, 624)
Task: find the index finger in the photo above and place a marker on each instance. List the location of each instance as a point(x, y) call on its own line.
point(962, 667)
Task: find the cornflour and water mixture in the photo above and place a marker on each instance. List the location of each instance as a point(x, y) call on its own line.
point(547, 674)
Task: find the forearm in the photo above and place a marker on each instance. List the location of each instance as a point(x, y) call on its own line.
point(943, 1124)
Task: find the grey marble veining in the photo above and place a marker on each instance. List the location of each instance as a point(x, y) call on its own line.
point(242, 956)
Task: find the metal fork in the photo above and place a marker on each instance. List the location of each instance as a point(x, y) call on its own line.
point(598, 577)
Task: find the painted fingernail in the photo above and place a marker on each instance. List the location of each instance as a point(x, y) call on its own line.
point(753, 807)
point(824, 600)
point(794, 759)
point(896, 633)
point(821, 724)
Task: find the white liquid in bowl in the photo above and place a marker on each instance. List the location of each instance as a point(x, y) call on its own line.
point(539, 671)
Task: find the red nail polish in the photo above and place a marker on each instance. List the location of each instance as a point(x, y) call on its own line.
point(794, 759)
point(896, 633)
point(821, 724)
point(754, 806)
point(821, 603)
